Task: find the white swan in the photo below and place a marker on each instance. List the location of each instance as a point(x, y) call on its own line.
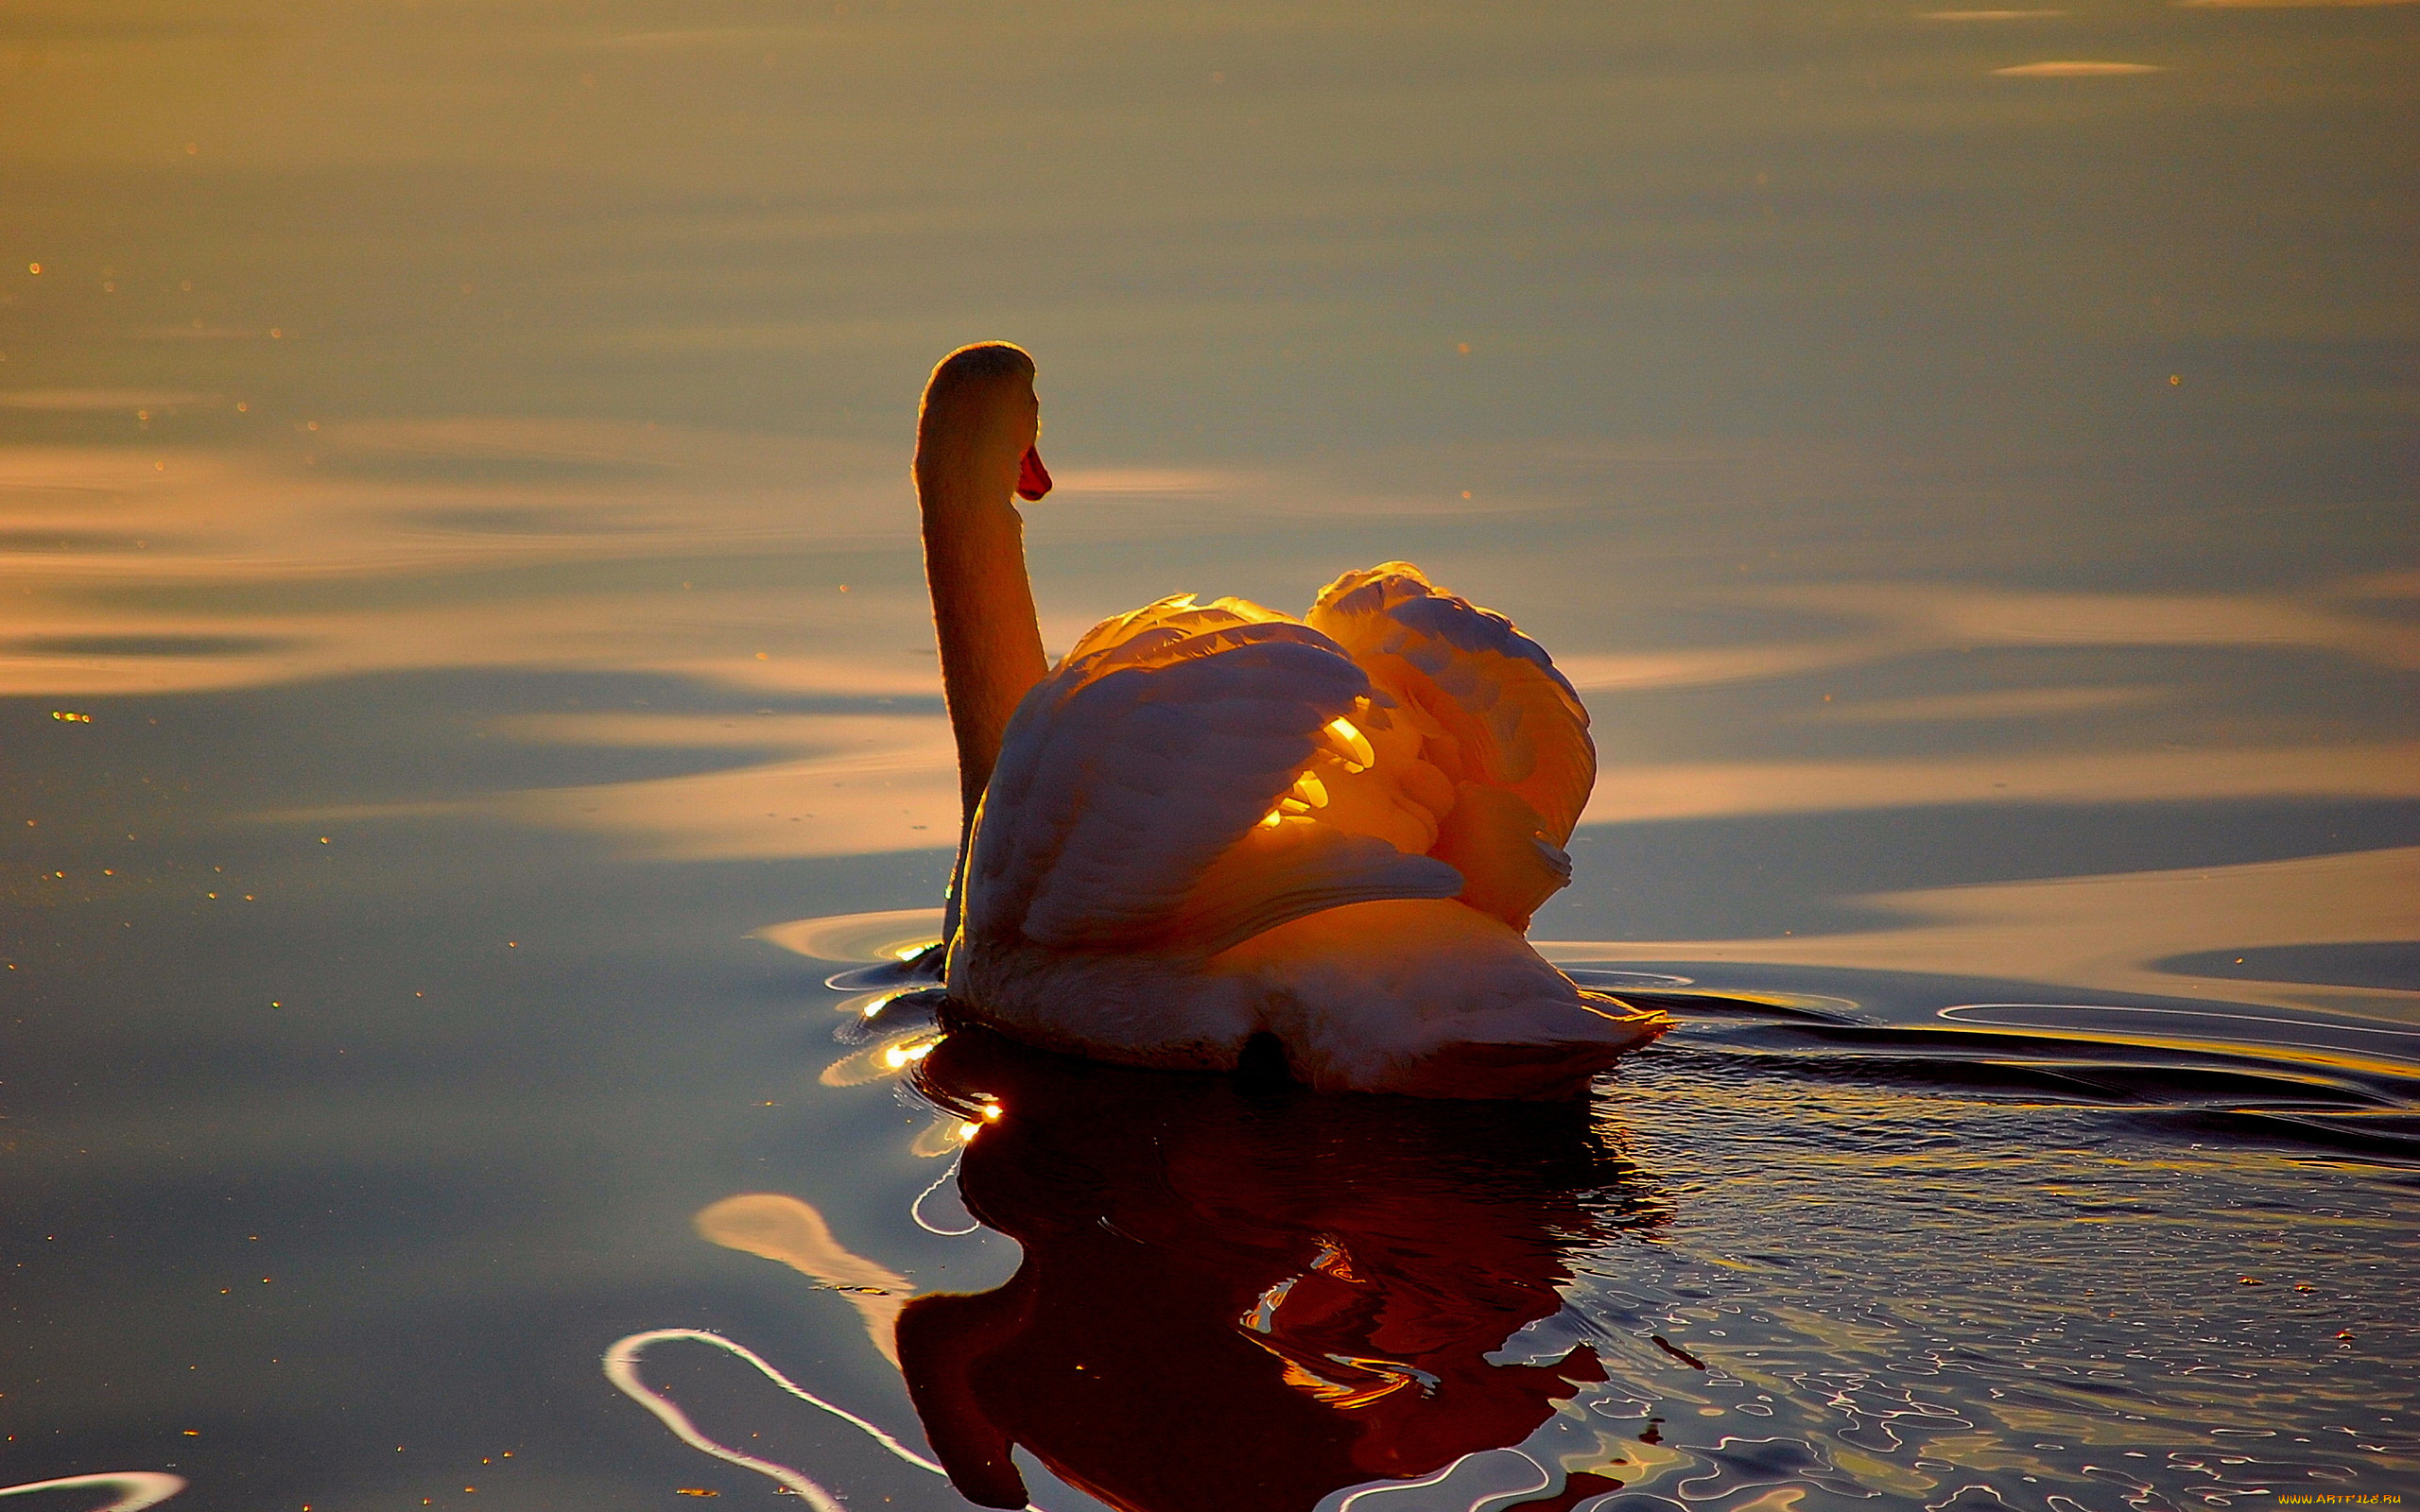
point(1213, 822)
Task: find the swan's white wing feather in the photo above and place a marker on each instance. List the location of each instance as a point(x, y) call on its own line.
point(1498, 719)
point(1514, 719)
point(1114, 817)
point(1274, 875)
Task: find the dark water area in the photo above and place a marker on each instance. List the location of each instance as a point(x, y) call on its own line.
point(472, 751)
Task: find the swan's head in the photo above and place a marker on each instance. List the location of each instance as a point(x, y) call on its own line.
point(980, 415)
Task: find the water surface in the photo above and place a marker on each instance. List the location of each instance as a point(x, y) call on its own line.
point(458, 599)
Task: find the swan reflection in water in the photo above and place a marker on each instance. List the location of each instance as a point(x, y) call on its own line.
point(1245, 1296)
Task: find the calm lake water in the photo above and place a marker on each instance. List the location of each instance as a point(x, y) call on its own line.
point(467, 685)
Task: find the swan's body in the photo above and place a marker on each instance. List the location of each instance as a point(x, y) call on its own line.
point(1211, 823)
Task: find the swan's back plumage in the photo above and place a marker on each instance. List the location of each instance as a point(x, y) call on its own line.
point(1125, 813)
point(1497, 721)
point(1509, 719)
point(1211, 822)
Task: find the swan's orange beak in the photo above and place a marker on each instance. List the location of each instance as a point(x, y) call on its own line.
point(1033, 479)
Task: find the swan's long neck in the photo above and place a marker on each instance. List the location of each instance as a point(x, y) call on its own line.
point(976, 428)
point(983, 608)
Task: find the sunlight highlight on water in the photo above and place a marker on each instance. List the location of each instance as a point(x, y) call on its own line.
point(622, 1369)
point(139, 1488)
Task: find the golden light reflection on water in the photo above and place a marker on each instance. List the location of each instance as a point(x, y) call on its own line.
point(2075, 68)
point(875, 782)
point(387, 546)
point(1934, 615)
point(2107, 933)
point(136, 1489)
point(884, 1059)
point(1710, 789)
point(889, 935)
point(783, 1229)
point(2281, 4)
point(407, 547)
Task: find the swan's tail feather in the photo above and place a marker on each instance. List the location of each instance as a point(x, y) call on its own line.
point(1528, 1073)
point(1584, 1045)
